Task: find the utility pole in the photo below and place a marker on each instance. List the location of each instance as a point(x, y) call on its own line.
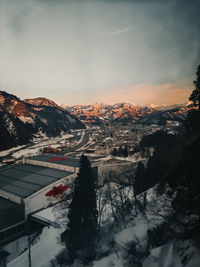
point(29, 243)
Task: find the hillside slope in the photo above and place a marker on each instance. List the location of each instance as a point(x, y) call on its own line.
point(20, 120)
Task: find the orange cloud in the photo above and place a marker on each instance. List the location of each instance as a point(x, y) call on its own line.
point(170, 93)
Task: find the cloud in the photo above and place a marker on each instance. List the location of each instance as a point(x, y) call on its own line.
point(169, 93)
point(122, 31)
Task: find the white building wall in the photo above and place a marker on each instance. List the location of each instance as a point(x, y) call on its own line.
point(38, 200)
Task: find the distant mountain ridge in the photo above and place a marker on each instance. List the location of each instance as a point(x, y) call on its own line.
point(21, 120)
point(120, 112)
point(126, 112)
point(161, 116)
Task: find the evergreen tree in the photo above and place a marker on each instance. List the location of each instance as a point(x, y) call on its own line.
point(81, 232)
point(140, 179)
point(140, 184)
point(120, 151)
point(125, 152)
point(195, 96)
point(192, 124)
point(114, 152)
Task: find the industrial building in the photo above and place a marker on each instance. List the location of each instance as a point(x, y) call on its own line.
point(24, 187)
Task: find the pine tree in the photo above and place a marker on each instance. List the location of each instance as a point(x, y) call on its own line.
point(125, 152)
point(114, 152)
point(192, 124)
point(140, 178)
point(140, 184)
point(120, 151)
point(195, 96)
point(81, 232)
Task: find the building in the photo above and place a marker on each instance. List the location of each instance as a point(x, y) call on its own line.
point(24, 187)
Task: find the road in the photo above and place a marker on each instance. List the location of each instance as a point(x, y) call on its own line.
point(83, 141)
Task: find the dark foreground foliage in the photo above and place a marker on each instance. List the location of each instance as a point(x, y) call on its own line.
point(81, 233)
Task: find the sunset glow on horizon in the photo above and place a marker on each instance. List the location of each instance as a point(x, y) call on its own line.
point(144, 94)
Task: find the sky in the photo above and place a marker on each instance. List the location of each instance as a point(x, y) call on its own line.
point(108, 51)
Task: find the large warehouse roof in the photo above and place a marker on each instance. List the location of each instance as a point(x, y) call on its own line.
point(57, 159)
point(24, 179)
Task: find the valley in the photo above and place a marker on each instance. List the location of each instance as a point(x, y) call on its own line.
point(114, 139)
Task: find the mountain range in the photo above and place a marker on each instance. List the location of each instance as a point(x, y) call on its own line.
point(119, 112)
point(125, 112)
point(21, 120)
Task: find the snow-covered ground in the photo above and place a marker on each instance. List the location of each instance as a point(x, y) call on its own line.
point(34, 150)
point(135, 230)
point(4, 153)
point(109, 261)
point(38, 144)
point(42, 252)
point(46, 247)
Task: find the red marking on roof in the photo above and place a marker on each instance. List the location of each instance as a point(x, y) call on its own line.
point(54, 159)
point(57, 190)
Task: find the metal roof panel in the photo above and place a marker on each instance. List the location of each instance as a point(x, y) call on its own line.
point(25, 179)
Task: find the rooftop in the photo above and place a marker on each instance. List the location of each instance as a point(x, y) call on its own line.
point(57, 159)
point(25, 179)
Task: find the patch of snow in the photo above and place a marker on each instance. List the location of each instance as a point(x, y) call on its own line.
point(156, 252)
point(66, 135)
point(39, 136)
point(47, 214)
point(81, 139)
point(8, 151)
point(26, 119)
point(107, 139)
point(136, 233)
point(10, 126)
point(44, 121)
point(107, 158)
point(195, 261)
point(27, 152)
point(41, 252)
